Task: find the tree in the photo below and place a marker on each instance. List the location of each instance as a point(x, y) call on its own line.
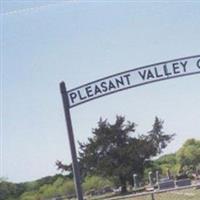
point(114, 152)
point(7, 190)
point(166, 162)
point(189, 155)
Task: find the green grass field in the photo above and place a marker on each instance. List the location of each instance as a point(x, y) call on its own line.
point(184, 194)
point(188, 194)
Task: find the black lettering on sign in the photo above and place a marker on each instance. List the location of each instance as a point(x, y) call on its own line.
point(97, 90)
point(89, 91)
point(119, 81)
point(133, 78)
point(157, 74)
point(150, 74)
point(184, 65)
point(167, 73)
point(142, 75)
point(80, 96)
point(198, 63)
point(73, 96)
point(127, 76)
point(176, 68)
point(103, 85)
point(111, 85)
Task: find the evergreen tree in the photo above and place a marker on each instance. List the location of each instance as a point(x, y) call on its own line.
point(116, 151)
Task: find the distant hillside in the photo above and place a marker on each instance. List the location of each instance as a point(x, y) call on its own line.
point(43, 188)
point(49, 187)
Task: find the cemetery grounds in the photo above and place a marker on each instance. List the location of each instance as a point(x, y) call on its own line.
point(184, 193)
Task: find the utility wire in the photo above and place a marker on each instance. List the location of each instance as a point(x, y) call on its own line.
point(35, 8)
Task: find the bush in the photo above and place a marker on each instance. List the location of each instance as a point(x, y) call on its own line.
point(96, 183)
point(67, 188)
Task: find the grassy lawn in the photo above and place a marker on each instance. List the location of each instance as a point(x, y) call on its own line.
point(188, 194)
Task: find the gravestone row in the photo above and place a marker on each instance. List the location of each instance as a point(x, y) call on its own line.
point(162, 183)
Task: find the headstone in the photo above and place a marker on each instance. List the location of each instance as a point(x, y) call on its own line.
point(168, 174)
point(150, 179)
point(166, 184)
point(183, 182)
point(135, 181)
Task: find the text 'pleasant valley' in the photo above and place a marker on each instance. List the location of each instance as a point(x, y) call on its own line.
point(133, 78)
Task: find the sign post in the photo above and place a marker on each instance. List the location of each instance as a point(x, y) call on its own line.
point(75, 165)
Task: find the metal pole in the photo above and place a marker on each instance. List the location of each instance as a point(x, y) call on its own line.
point(152, 196)
point(76, 169)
